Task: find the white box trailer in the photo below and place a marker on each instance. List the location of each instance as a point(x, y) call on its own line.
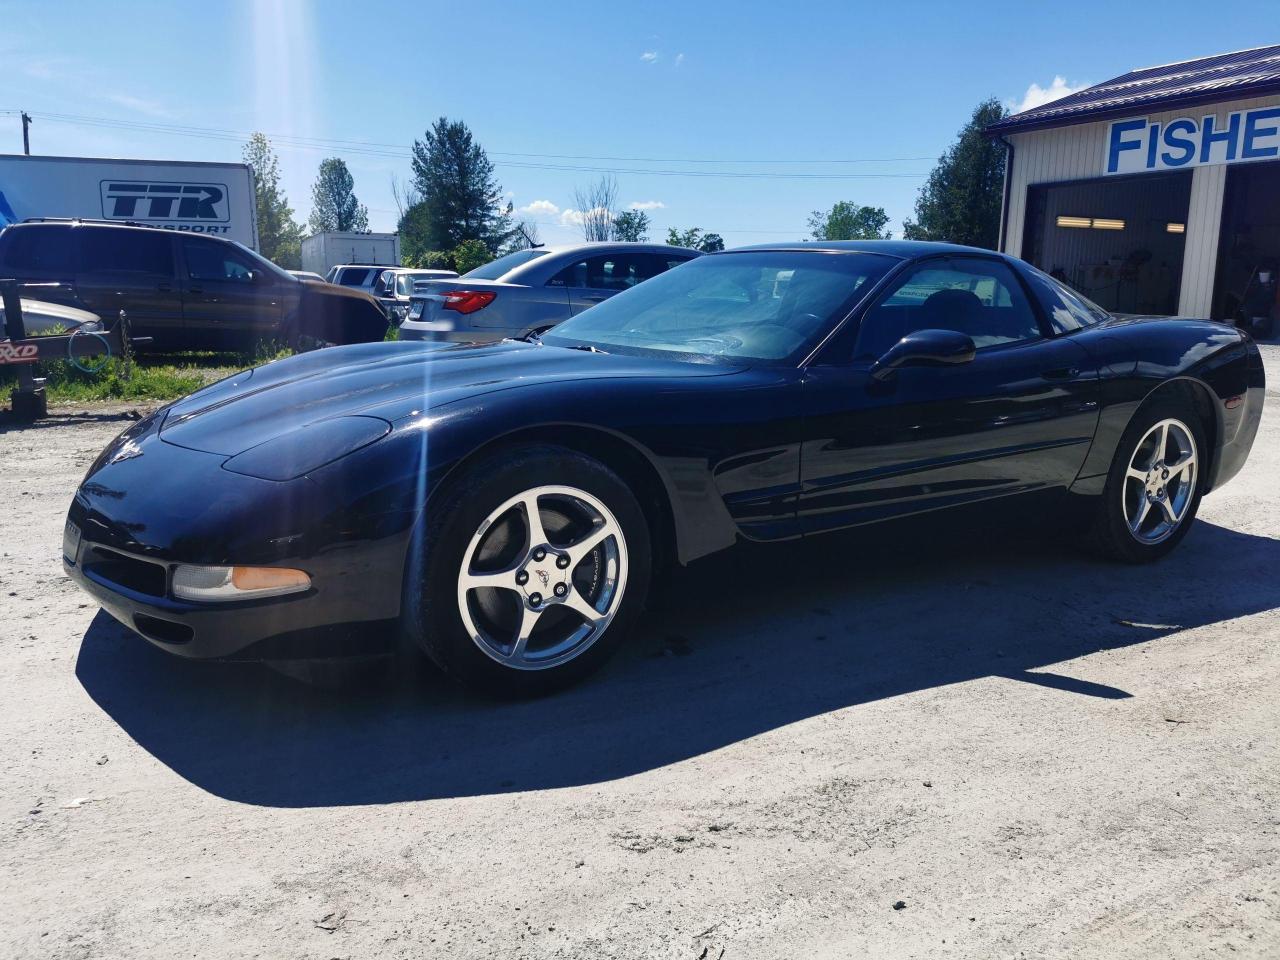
point(324, 250)
point(212, 198)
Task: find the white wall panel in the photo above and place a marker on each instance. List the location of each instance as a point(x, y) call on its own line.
point(1200, 259)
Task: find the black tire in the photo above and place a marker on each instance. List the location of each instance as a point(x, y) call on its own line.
point(1110, 533)
point(431, 611)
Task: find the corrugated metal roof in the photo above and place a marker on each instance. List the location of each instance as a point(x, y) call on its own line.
point(1225, 76)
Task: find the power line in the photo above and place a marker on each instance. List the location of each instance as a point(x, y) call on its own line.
point(397, 151)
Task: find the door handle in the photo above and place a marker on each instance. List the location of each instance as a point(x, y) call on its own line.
point(1062, 373)
point(195, 289)
point(164, 287)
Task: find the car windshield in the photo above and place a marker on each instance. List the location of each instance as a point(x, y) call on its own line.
point(765, 305)
point(504, 265)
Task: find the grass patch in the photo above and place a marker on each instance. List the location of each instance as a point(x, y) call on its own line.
point(159, 377)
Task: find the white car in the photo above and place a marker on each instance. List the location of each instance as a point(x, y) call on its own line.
point(395, 288)
point(40, 318)
point(362, 276)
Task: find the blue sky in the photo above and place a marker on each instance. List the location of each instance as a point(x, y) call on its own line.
point(748, 87)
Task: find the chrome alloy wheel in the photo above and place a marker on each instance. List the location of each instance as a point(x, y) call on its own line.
point(1160, 483)
point(542, 577)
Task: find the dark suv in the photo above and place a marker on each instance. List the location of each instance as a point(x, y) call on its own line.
point(184, 291)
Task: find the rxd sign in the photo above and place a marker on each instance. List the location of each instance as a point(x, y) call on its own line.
point(1142, 145)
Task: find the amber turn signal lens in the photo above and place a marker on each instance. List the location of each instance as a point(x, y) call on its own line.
point(222, 584)
point(268, 578)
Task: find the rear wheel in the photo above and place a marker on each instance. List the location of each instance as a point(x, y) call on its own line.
point(1153, 488)
point(532, 569)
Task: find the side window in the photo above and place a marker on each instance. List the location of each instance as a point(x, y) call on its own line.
point(353, 278)
point(1067, 310)
point(980, 298)
point(43, 249)
point(649, 265)
point(213, 261)
point(574, 275)
point(125, 251)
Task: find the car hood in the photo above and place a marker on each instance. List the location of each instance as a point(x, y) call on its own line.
point(390, 381)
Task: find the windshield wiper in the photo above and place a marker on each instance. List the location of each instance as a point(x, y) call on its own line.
point(589, 348)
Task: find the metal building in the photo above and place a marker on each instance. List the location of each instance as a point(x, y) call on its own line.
point(1155, 192)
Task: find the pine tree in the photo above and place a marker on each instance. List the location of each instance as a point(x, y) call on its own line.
point(333, 201)
point(461, 197)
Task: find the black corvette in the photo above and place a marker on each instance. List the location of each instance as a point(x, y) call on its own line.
point(507, 505)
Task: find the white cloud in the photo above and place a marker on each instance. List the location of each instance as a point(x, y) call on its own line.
point(650, 56)
point(137, 104)
point(39, 70)
point(679, 59)
point(1038, 96)
point(575, 218)
point(540, 208)
point(646, 205)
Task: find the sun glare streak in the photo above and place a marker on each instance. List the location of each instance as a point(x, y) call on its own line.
point(284, 56)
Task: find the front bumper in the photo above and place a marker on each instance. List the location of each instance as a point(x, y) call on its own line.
point(297, 626)
point(147, 506)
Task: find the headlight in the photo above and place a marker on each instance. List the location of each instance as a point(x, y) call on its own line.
point(220, 584)
point(301, 451)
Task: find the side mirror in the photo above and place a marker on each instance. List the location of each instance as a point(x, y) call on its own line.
point(925, 348)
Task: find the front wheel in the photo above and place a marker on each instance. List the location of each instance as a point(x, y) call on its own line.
point(1154, 485)
point(530, 571)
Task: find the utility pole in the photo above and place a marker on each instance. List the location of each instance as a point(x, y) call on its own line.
point(26, 136)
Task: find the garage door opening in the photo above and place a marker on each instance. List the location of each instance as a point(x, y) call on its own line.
point(1249, 251)
point(1119, 241)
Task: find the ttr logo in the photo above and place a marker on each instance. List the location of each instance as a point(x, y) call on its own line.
point(134, 200)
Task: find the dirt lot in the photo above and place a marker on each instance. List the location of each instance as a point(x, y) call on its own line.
point(1006, 750)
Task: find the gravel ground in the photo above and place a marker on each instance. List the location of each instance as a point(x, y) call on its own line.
point(1005, 750)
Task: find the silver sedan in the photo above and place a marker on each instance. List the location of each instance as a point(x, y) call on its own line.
point(530, 291)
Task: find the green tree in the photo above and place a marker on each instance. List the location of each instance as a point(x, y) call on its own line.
point(631, 226)
point(961, 199)
point(414, 242)
point(847, 220)
point(279, 235)
point(333, 201)
point(470, 254)
point(461, 197)
point(695, 239)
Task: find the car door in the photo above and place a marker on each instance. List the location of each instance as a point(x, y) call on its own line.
point(1018, 417)
point(131, 269)
point(229, 300)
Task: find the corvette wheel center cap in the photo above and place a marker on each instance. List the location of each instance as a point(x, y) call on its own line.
point(1156, 478)
point(542, 581)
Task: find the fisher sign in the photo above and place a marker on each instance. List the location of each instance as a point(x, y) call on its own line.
point(1141, 145)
